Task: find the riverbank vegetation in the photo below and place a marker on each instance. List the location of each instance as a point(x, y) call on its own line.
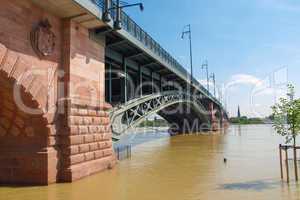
point(245, 120)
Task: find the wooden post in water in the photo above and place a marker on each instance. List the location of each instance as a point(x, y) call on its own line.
point(287, 164)
point(127, 151)
point(280, 157)
point(118, 150)
point(295, 163)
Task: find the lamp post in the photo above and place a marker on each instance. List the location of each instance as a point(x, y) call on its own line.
point(187, 30)
point(109, 6)
point(205, 66)
point(106, 15)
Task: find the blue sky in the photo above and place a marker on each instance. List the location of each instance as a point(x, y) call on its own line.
point(251, 45)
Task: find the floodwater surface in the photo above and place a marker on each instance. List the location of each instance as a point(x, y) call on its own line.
point(184, 168)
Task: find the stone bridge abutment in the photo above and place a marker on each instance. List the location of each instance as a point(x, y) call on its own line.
point(54, 125)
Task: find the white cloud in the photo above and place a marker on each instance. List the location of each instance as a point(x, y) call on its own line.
point(277, 93)
point(284, 5)
point(265, 91)
point(259, 92)
point(244, 79)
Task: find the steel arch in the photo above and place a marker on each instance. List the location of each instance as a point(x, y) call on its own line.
point(126, 116)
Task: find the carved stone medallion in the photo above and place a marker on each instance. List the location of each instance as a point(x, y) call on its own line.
point(43, 39)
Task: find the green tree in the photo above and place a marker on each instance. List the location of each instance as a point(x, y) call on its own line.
point(286, 115)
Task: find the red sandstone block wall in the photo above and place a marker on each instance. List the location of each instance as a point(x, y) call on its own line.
point(87, 147)
point(24, 157)
point(53, 146)
point(17, 19)
point(86, 72)
point(86, 144)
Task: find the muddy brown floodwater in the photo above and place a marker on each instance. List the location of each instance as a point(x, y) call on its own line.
point(184, 168)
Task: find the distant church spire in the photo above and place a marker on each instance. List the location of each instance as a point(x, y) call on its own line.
point(239, 112)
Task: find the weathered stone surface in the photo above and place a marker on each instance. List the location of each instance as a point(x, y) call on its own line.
point(52, 145)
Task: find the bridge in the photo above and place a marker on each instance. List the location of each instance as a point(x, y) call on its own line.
point(138, 67)
point(171, 105)
point(74, 77)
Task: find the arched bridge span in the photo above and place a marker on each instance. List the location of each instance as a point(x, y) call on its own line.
point(180, 109)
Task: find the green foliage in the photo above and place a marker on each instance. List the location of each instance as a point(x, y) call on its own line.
point(245, 120)
point(286, 116)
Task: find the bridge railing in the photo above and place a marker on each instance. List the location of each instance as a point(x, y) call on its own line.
point(137, 32)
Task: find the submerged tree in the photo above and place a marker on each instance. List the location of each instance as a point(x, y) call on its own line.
point(286, 115)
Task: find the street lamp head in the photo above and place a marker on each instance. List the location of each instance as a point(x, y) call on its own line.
point(142, 7)
point(126, 5)
point(183, 34)
point(118, 7)
point(184, 31)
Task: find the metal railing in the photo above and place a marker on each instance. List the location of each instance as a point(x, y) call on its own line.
point(137, 32)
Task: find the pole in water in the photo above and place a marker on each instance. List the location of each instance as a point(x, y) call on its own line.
point(130, 151)
point(287, 165)
point(280, 157)
point(295, 163)
point(127, 151)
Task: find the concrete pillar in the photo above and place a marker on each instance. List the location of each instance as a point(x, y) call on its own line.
point(140, 80)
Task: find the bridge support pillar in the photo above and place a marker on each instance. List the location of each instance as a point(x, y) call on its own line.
point(85, 140)
point(221, 119)
point(213, 120)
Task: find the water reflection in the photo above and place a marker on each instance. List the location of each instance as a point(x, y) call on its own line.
point(258, 185)
point(183, 168)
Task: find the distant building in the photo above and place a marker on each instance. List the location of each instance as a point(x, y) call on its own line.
point(239, 113)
